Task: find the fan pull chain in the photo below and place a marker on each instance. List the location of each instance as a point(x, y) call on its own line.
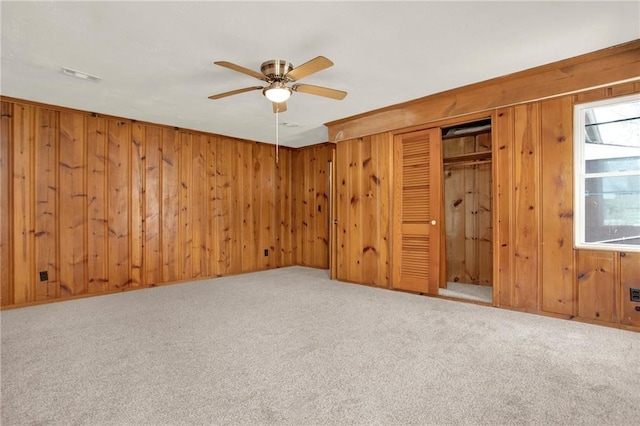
point(277, 135)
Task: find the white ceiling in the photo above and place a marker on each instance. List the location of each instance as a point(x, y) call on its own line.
point(156, 58)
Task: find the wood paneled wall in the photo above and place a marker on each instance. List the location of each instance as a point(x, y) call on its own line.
point(536, 267)
point(311, 200)
point(104, 204)
point(363, 186)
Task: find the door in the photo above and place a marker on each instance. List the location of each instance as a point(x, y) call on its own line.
point(417, 191)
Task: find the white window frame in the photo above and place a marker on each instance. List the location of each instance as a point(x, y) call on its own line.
point(580, 175)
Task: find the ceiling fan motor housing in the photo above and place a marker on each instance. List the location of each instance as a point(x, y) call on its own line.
point(276, 69)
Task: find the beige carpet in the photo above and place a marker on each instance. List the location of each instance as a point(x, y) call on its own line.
point(290, 347)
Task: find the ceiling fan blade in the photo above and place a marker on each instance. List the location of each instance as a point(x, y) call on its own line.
point(320, 91)
point(311, 67)
point(279, 107)
point(243, 70)
point(234, 92)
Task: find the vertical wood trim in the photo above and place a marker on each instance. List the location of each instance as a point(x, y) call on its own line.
point(503, 136)
point(6, 203)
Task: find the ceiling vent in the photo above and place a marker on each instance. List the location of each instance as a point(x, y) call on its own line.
point(80, 74)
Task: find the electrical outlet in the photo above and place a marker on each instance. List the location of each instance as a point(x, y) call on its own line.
point(44, 276)
point(266, 252)
point(635, 294)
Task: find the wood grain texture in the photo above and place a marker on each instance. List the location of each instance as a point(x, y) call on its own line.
point(106, 204)
point(468, 211)
point(526, 205)
point(152, 260)
point(596, 286)
point(73, 196)
point(119, 201)
point(6, 207)
point(137, 209)
point(363, 203)
point(558, 273)
point(503, 153)
point(311, 197)
point(23, 215)
point(97, 206)
point(417, 206)
point(46, 132)
point(171, 249)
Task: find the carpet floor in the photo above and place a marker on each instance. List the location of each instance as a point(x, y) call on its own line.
point(478, 293)
point(291, 347)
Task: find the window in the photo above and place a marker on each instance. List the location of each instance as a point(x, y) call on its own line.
point(607, 174)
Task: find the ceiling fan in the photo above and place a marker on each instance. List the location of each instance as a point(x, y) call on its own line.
point(277, 74)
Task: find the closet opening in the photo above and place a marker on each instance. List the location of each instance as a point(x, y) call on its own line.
point(466, 239)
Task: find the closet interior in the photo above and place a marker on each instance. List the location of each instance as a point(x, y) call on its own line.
point(467, 212)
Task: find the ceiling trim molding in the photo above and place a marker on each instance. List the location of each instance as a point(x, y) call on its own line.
point(580, 73)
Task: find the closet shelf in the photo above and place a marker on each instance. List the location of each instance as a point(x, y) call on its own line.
point(473, 156)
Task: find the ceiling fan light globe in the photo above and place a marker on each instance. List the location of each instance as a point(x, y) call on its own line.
point(277, 94)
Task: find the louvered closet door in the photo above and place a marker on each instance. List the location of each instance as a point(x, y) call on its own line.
point(416, 208)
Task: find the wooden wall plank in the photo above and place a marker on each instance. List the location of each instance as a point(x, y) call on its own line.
point(383, 150)
point(266, 187)
point(526, 207)
point(257, 209)
point(185, 231)
point(23, 191)
point(6, 203)
point(119, 201)
point(97, 208)
point(224, 206)
point(343, 183)
point(137, 208)
point(236, 209)
point(287, 213)
point(556, 182)
point(212, 209)
point(369, 195)
point(247, 236)
point(199, 205)
point(596, 286)
point(73, 196)
point(171, 249)
point(152, 260)
point(355, 197)
point(470, 186)
point(503, 153)
point(46, 180)
point(485, 224)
